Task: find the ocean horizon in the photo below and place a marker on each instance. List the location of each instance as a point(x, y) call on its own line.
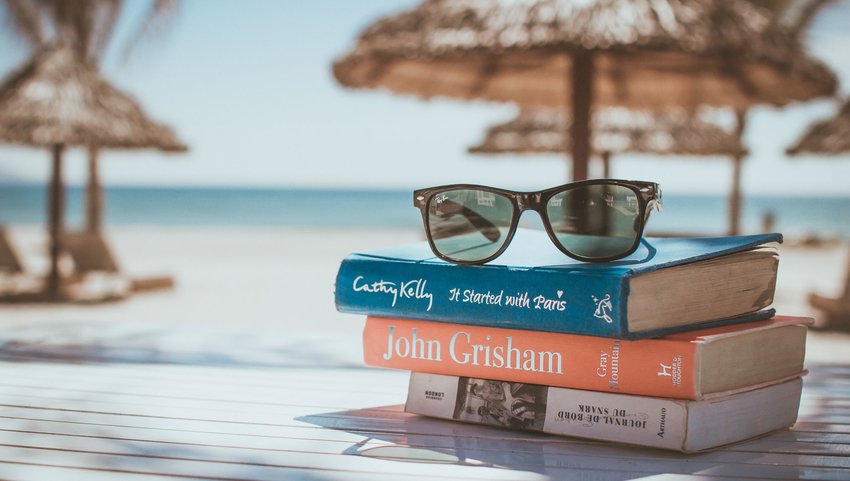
point(822, 216)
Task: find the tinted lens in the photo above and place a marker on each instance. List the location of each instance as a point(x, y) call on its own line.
point(595, 221)
point(469, 225)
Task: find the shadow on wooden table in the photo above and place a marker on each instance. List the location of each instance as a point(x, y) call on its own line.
point(151, 343)
point(392, 435)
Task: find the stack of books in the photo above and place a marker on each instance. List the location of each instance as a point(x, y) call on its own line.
point(673, 347)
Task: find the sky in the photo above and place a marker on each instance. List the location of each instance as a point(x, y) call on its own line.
point(248, 86)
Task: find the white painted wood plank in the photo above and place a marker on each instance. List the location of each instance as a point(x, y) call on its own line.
point(201, 375)
point(378, 459)
point(286, 416)
point(553, 453)
point(20, 470)
point(11, 429)
point(257, 401)
point(280, 416)
point(182, 463)
point(495, 443)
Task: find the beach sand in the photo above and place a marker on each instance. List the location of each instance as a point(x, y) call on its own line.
point(282, 279)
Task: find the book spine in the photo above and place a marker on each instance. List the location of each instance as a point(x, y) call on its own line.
point(651, 367)
point(545, 300)
point(644, 421)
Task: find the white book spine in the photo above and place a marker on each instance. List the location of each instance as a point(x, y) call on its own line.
point(688, 426)
point(646, 421)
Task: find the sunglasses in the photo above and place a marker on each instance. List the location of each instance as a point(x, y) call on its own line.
point(595, 220)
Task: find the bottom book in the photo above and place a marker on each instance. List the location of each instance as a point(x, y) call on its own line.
point(682, 425)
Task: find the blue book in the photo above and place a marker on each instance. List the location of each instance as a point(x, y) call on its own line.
point(668, 285)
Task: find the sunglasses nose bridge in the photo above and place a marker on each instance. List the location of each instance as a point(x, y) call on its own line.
point(528, 201)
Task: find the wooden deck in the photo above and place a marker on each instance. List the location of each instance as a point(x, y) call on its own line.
point(93, 402)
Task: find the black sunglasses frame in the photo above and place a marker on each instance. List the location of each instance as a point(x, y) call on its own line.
point(647, 193)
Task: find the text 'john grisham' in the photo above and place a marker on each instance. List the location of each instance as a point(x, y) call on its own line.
point(498, 352)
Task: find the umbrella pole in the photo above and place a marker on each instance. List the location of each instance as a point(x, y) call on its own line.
point(735, 196)
point(606, 164)
point(94, 194)
point(737, 161)
point(55, 216)
point(582, 99)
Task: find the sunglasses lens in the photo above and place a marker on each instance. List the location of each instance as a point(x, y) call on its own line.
point(596, 221)
point(469, 225)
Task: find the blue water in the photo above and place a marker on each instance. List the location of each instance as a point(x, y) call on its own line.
point(25, 204)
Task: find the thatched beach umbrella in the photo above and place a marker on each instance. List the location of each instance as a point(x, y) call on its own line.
point(619, 131)
point(58, 100)
point(616, 131)
point(572, 55)
point(830, 137)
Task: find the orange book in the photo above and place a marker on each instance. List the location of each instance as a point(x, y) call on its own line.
point(688, 365)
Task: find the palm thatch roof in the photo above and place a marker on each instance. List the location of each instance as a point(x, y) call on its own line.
point(59, 99)
point(647, 53)
point(829, 137)
point(615, 130)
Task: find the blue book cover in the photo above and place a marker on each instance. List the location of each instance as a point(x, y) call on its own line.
point(530, 286)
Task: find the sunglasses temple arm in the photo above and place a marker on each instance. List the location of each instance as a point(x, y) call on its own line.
point(649, 248)
point(487, 228)
point(653, 204)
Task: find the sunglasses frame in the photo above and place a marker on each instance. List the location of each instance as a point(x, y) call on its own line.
point(647, 193)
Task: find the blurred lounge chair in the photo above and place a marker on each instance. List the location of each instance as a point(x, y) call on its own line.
point(15, 284)
point(836, 311)
point(90, 253)
point(96, 274)
point(10, 265)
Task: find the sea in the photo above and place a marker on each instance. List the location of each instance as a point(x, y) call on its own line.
point(818, 217)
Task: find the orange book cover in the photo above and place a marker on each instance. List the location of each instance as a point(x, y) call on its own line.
point(663, 367)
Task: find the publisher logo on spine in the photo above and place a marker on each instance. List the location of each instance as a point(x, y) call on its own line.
point(603, 308)
point(673, 370)
point(434, 395)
